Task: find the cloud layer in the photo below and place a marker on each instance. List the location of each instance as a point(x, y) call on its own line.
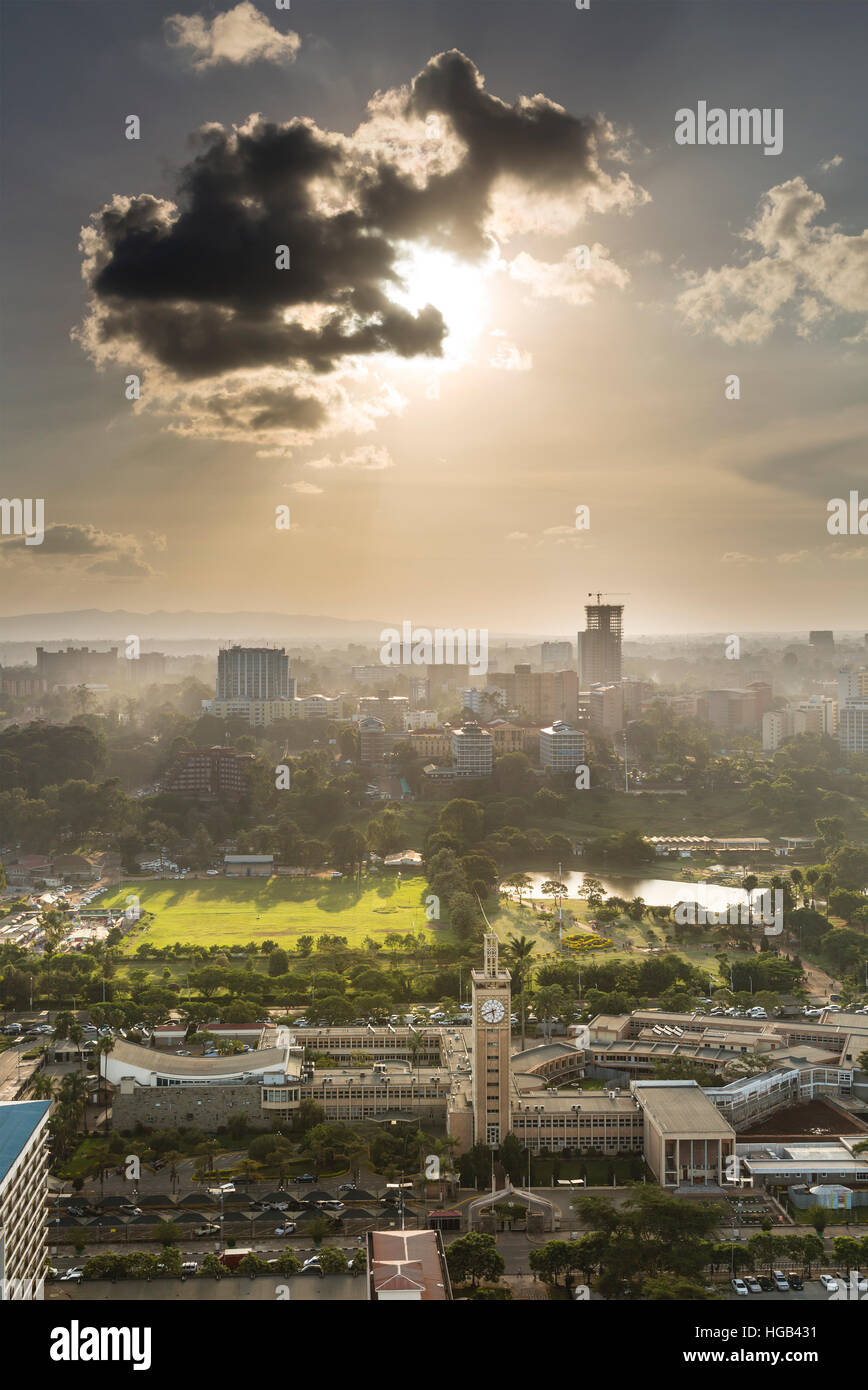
point(242, 36)
point(805, 272)
point(187, 291)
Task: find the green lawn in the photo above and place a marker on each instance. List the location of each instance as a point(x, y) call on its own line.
point(629, 939)
point(206, 912)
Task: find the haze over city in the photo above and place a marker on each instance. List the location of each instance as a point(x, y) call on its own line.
point(434, 411)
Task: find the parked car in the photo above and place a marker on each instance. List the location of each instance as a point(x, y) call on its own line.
point(306, 1177)
point(829, 1284)
point(72, 1276)
point(739, 1286)
point(207, 1231)
point(753, 1285)
point(287, 1230)
point(765, 1283)
point(780, 1281)
point(330, 1205)
point(189, 1267)
point(795, 1279)
point(861, 1281)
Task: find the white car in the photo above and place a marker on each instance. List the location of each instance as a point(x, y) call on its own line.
point(754, 1285)
point(739, 1285)
point(73, 1276)
point(829, 1284)
point(780, 1281)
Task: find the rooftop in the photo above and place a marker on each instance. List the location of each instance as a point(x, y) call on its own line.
point(18, 1120)
point(148, 1060)
point(680, 1108)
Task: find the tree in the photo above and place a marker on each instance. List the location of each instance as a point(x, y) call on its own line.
point(520, 883)
point(474, 1257)
point(555, 1259)
point(518, 952)
point(333, 1260)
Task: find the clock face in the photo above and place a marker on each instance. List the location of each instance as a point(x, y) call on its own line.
point(492, 1011)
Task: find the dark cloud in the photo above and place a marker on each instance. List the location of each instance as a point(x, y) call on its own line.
point(110, 554)
point(190, 287)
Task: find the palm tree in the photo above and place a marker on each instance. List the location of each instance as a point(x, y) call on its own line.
point(102, 1159)
point(76, 1037)
point(42, 1086)
point(811, 877)
point(208, 1151)
point(549, 1001)
point(517, 952)
point(173, 1158)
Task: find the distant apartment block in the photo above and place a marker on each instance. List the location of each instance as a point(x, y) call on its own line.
point(606, 708)
point(816, 716)
point(419, 719)
point(599, 646)
point(852, 684)
point(472, 751)
point(258, 713)
point(736, 709)
point(539, 696)
point(431, 743)
point(484, 703)
point(637, 694)
point(254, 673)
point(77, 666)
point(144, 669)
point(21, 685)
point(390, 708)
point(556, 656)
point(853, 726)
point(210, 772)
point(372, 739)
point(561, 747)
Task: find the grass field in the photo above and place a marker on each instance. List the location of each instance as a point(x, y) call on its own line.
point(207, 912)
point(629, 939)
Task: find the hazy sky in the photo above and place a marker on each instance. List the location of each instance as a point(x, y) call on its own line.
point(441, 377)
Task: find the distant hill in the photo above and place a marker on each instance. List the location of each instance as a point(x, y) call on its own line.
point(97, 625)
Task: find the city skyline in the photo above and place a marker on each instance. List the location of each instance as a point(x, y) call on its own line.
point(480, 163)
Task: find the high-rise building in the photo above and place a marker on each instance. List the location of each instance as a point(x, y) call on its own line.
point(599, 646)
point(23, 1193)
point(822, 641)
point(561, 747)
point(472, 751)
point(77, 666)
point(254, 673)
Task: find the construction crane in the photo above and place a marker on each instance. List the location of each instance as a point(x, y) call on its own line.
point(620, 593)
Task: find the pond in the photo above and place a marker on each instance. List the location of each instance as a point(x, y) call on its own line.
point(656, 892)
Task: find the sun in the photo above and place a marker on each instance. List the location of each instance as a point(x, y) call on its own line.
point(455, 287)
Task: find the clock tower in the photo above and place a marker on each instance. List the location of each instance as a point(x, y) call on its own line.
point(492, 1031)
